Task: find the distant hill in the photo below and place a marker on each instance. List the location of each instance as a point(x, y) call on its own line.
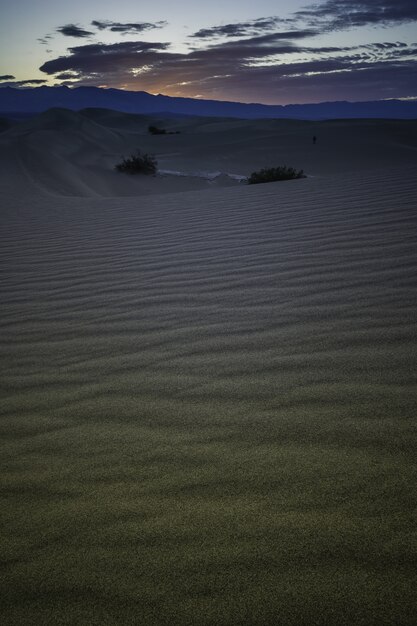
point(40, 99)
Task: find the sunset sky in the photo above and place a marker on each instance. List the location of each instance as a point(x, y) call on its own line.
point(272, 52)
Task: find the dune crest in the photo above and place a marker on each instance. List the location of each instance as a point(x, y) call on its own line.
point(67, 153)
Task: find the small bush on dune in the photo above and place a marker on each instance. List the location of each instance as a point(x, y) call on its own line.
point(272, 174)
point(138, 164)
point(154, 130)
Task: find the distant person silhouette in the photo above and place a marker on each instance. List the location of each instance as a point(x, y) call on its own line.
point(314, 140)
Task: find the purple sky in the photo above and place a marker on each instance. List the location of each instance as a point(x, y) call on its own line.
point(272, 52)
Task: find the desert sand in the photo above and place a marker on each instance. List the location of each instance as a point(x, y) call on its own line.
point(209, 388)
point(65, 153)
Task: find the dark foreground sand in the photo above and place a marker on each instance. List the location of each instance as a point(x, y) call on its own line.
point(208, 407)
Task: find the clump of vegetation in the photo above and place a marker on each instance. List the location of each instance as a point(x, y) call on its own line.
point(138, 163)
point(154, 130)
point(272, 174)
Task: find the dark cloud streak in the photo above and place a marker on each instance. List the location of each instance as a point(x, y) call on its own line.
point(239, 29)
point(345, 14)
point(45, 40)
point(67, 76)
point(131, 28)
point(102, 58)
point(72, 30)
point(24, 83)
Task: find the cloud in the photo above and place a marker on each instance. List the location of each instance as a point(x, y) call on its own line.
point(323, 16)
point(72, 30)
point(120, 61)
point(131, 28)
point(67, 76)
point(107, 58)
point(268, 59)
point(386, 45)
point(25, 83)
point(254, 47)
point(269, 68)
point(31, 81)
point(45, 40)
point(7, 77)
point(327, 80)
point(345, 14)
point(239, 29)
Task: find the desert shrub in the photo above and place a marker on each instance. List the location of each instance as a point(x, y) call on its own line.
point(272, 174)
point(138, 163)
point(154, 130)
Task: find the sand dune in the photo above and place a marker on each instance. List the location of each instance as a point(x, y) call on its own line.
point(64, 153)
point(209, 396)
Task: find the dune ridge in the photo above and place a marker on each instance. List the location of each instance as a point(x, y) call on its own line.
point(67, 153)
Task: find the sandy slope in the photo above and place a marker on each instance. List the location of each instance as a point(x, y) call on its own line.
point(209, 403)
point(63, 153)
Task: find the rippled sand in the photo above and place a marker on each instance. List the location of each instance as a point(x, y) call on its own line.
point(208, 405)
